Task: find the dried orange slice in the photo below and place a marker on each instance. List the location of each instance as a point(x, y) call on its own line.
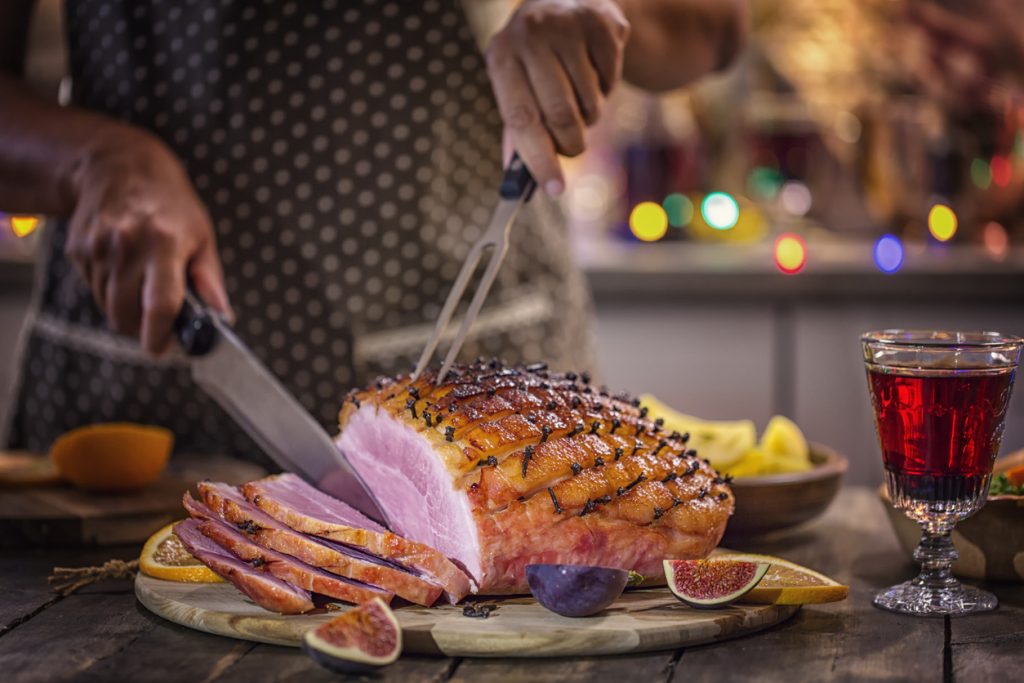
point(113, 456)
point(164, 557)
point(788, 583)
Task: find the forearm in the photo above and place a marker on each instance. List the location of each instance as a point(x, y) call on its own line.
point(42, 145)
point(673, 42)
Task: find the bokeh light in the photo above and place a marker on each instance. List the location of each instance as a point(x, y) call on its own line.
point(648, 221)
point(889, 253)
point(22, 226)
point(679, 209)
point(720, 210)
point(764, 182)
point(1002, 171)
point(589, 197)
point(981, 175)
point(942, 222)
point(790, 253)
point(995, 239)
point(795, 198)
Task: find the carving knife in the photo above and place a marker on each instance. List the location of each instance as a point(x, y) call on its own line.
point(231, 375)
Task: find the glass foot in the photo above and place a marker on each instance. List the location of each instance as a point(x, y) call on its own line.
point(914, 598)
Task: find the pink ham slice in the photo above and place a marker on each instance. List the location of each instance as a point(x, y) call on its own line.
point(265, 590)
point(282, 566)
point(289, 499)
point(336, 558)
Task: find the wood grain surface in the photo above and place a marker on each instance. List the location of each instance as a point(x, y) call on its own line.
point(63, 515)
point(103, 634)
point(640, 621)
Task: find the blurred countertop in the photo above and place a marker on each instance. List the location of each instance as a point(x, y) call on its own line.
point(834, 271)
point(747, 272)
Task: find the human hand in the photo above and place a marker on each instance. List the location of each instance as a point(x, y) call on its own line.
point(552, 66)
point(136, 230)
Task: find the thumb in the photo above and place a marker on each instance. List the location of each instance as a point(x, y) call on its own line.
point(207, 277)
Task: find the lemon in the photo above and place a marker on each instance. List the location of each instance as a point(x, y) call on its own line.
point(753, 463)
point(721, 442)
point(788, 583)
point(784, 439)
point(164, 557)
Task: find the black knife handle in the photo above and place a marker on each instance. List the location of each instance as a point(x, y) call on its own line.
point(194, 326)
point(518, 181)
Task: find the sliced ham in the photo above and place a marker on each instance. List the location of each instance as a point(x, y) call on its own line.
point(228, 503)
point(289, 499)
point(265, 590)
point(501, 467)
point(282, 566)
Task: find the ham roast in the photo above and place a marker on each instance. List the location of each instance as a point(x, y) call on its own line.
point(501, 467)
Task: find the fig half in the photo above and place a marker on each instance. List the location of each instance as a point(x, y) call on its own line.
point(574, 590)
point(707, 584)
point(362, 639)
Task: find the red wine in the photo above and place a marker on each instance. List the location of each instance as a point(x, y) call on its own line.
point(939, 430)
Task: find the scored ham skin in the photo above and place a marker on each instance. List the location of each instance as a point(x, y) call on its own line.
point(289, 499)
point(228, 502)
point(265, 590)
point(282, 566)
point(501, 467)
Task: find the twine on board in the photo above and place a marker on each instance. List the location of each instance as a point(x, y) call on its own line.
point(67, 580)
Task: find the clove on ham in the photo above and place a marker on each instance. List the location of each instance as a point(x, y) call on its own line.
point(501, 467)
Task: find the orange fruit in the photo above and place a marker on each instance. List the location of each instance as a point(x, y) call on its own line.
point(164, 557)
point(113, 456)
point(788, 583)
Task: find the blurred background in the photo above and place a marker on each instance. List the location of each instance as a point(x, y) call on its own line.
point(861, 167)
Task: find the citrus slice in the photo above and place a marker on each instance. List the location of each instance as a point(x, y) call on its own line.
point(164, 557)
point(783, 438)
point(788, 583)
point(722, 442)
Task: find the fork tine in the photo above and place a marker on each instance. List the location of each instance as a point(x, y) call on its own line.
point(497, 256)
point(454, 296)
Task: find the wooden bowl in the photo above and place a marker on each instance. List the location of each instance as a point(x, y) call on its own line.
point(781, 501)
point(990, 543)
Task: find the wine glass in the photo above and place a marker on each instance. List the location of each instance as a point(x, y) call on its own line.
point(940, 400)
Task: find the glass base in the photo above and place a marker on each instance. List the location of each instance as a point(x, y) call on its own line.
point(914, 598)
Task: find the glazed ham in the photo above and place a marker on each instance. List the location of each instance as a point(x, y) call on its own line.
point(293, 502)
point(228, 503)
point(501, 467)
point(283, 567)
point(265, 590)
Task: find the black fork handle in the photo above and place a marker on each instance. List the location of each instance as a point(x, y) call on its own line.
point(518, 182)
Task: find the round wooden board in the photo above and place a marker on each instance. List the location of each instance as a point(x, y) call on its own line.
point(642, 620)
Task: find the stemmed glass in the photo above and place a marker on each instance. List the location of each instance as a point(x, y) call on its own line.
point(940, 400)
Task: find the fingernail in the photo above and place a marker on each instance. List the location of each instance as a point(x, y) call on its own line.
point(554, 188)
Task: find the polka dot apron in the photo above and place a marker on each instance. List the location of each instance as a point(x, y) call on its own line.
point(349, 155)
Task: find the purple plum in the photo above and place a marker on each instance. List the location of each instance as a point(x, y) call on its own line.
point(574, 590)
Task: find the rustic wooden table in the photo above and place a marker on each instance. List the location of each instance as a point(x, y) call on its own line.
point(103, 634)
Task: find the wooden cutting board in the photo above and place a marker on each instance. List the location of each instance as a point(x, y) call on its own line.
point(642, 620)
point(63, 515)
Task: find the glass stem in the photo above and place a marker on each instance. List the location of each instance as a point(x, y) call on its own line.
point(936, 554)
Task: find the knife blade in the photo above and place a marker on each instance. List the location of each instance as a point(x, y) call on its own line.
point(226, 370)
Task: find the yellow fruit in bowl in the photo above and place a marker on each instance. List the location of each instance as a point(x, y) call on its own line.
point(784, 439)
point(112, 457)
point(722, 442)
